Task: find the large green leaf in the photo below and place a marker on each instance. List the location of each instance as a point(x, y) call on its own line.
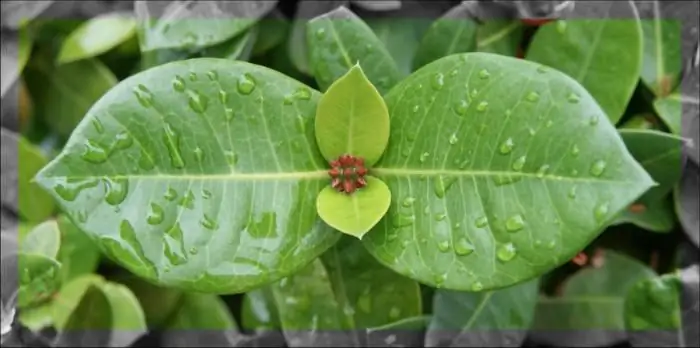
point(343, 291)
point(485, 319)
point(670, 110)
point(604, 55)
point(661, 65)
point(338, 40)
point(273, 31)
point(199, 174)
point(454, 32)
point(499, 36)
point(96, 36)
point(590, 309)
point(159, 304)
point(499, 170)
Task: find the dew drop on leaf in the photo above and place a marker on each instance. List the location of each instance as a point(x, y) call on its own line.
point(228, 114)
point(477, 286)
point(179, 84)
point(598, 167)
point(408, 201)
point(415, 108)
point(463, 247)
point(601, 211)
point(212, 75)
point(116, 190)
point(506, 147)
point(515, 223)
point(575, 150)
point(453, 139)
point(573, 98)
point(519, 163)
point(402, 220)
point(187, 200)
point(542, 171)
point(484, 74)
point(532, 96)
point(209, 223)
point(198, 154)
point(144, 96)
point(593, 120)
point(551, 244)
point(481, 222)
point(172, 143)
point(192, 76)
point(437, 81)
point(94, 153)
point(170, 194)
point(572, 192)
point(443, 246)
point(246, 84)
point(424, 156)
point(194, 250)
point(442, 185)
point(461, 107)
point(506, 252)
point(71, 189)
point(440, 216)
point(156, 215)
point(99, 128)
point(231, 158)
point(198, 102)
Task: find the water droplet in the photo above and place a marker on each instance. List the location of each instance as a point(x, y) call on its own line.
point(144, 96)
point(502, 180)
point(172, 142)
point(532, 132)
point(437, 81)
point(551, 244)
point(454, 72)
point(463, 247)
point(442, 184)
point(228, 113)
point(484, 74)
point(402, 220)
point(515, 223)
point(116, 190)
point(156, 215)
point(99, 128)
point(572, 192)
point(601, 211)
point(426, 210)
point(453, 139)
point(212, 75)
point(507, 146)
point(573, 98)
point(444, 246)
point(416, 108)
point(94, 153)
point(598, 168)
point(194, 250)
point(519, 163)
point(302, 93)
point(482, 106)
point(506, 252)
point(542, 171)
point(198, 102)
point(72, 188)
point(424, 156)
point(246, 84)
point(170, 194)
point(178, 84)
point(408, 201)
point(208, 223)
point(541, 69)
point(532, 96)
point(440, 216)
point(593, 120)
point(440, 280)
point(461, 107)
point(481, 222)
point(549, 124)
point(477, 286)
point(231, 158)
point(320, 33)
point(575, 150)
point(561, 26)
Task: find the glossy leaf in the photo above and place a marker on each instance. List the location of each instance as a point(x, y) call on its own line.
point(354, 214)
point(297, 46)
point(352, 118)
point(656, 216)
point(160, 155)
point(516, 172)
point(454, 32)
point(401, 37)
point(590, 310)
point(669, 109)
point(44, 239)
point(661, 64)
point(496, 318)
point(687, 202)
point(38, 278)
point(180, 24)
point(21, 161)
point(338, 40)
point(661, 156)
point(78, 254)
point(96, 36)
point(499, 36)
point(604, 55)
point(90, 322)
point(341, 293)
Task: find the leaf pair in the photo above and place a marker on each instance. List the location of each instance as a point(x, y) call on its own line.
point(352, 132)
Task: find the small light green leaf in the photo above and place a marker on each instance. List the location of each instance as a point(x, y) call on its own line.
point(354, 214)
point(44, 239)
point(96, 36)
point(338, 40)
point(352, 118)
point(90, 324)
point(656, 216)
point(669, 109)
point(38, 278)
point(454, 32)
point(38, 317)
point(591, 306)
point(604, 55)
point(499, 36)
point(496, 318)
point(662, 60)
point(661, 156)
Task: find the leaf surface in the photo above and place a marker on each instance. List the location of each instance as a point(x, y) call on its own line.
point(78, 254)
point(207, 177)
point(297, 46)
point(496, 318)
point(656, 216)
point(44, 239)
point(340, 39)
point(604, 55)
point(669, 109)
point(38, 278)
point(96, 36)
point(90, 324)
point(499, 36)
point(515, 172)
point(661, 64)
point(401, 37)
point(454, 32)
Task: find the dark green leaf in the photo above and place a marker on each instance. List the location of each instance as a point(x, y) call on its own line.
point(158, 303)
point(401, 37)
point(590, 309)
point(90, 323)
point(407, 332)
point(273, 30)
point(157, 159)
point(178, 24)
point(661, 64)
point(483, 319)
point(687, 202)
point(454, 32)
point(655, 216)
point(259, 312)
point(78, 254)
point(517, 170)
point(38, 278)
point(661, 156)
point(499, 36)
point(128, 320)
point(604, 55)
point(344, 291)
point(44, 240)
point(669, 110)
point(238, 48)
point(640, 121)
point(338, 40)
point(96, 36)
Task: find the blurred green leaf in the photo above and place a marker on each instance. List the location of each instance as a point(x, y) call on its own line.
point(158, 303)
point(499, 36)
point(96, 36)
point(640, 121)
point(238, 48)
point(656, 216)
point(661, 68)
point(38, 279)
point(297, 46)
point(78, 254)
point(273, 30)
point(401, 37)
point(44, 239)
point(669, 109)
point(454, 32)
point(90, 323)
point(259, 311)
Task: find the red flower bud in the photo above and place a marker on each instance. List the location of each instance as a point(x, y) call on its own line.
point(361, 182)
point(349, 186)
point(334, 172)
point(361, 171)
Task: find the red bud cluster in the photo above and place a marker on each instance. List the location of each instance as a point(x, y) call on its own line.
point(348, 173)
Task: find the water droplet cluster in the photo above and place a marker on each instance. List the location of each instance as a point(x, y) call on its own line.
point(348, 173)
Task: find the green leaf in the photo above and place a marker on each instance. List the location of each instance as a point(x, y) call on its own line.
point(128, 319)
point(604, 55)
point(687, 202)
point(482, 319)
point(158, 303)
point(238, 48)
point(178, 24)
point(38, 317)
point(78, 254)
point(344, 290)
point(517, 170)
point(352, 118)
point(90, 323)
point(339, 40)
point(499, 36)
point(591, 306)
point(670, 111)
point(259, 312)
point(150, 171)
point(44, 239)
point(401, 37)
point(452, 33)
point(354, 214)
point(64, 94)
point(656, 216)
point(640, 121)
point(69, 297)
point(273, 31)
point(661, 64)
point(96, 36)
point(654, 304)
point(407, 332)
point(297, 46)
point(661, 156)
point(38, 278)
